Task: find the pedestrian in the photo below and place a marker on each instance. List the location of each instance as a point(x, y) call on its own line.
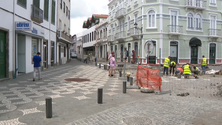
point(110, 56)
point(196, 70)
point(166, 65)
point(179, 71)
point(112, 65)
point(172, 66)
point(204, 64)
point(37, 65)
point(187, 71)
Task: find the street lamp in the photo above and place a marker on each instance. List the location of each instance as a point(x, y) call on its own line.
point(141, 30)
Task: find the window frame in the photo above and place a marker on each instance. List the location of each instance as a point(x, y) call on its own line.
point(53, 10)
point(64, 9)
point(190, 20)
point(60, 4)
point(46, 18)
point(213, 3)
point(20, 3)
point(152, 19)
point(200, 21)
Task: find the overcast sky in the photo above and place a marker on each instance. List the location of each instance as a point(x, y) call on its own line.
point(82, 9)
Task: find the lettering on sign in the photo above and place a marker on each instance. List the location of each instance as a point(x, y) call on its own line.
point(35, 31)
point(23, 26)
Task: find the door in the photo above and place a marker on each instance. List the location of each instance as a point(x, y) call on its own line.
point(194, 55)
point(136, 51)
point(21, 54)
point(2, 54)
point(122, 53)
point(45, 54)
point(129, 52)
point(174, 21)
point(174, 51)
point(212, 53)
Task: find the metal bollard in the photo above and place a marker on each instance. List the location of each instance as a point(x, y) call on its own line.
point(120, 73)
point(131, 81)
point(99, 65)
point(100, 95)
point(124, 86)
point(48, 104)
point(95, 63)
point(127, 78)
point(105, 67)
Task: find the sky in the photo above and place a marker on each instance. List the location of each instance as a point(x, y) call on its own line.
point(82, 9)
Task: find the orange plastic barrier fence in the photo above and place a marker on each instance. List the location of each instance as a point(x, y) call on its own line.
point(148, 78)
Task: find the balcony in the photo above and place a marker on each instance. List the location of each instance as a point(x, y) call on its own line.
point(175, 29)
point(120, 36)
point(110, 38)
point(214, 33)
point(134, 33)
point(37, 14)
point(196, 4)
point(120, 13)
point(64, 36)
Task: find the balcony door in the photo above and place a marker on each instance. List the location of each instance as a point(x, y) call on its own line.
point(36, 3)
point(174, 20)
point(212, 25)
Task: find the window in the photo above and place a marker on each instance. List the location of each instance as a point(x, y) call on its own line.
point(46, 10)
point(67, 11)
point(68, 31)
point(60, 4)
point(198, 22)
point(69, 14)
point(60, 24)
point(22, 3)
point(151, 19)
point(213, 2)
point(64, 27)
point(213, 19)
point(36, 3)
point(92, 36)
point(135, 18)
point(53, 12)
point(64, 51)
point(64, 9)
point(128, 24)
point(190, 21)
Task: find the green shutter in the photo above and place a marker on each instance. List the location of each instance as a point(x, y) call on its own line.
point(53, 12)
point(22, 3)
point(46, 10)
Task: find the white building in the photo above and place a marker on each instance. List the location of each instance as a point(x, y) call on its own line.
point(64, 39)
point(73, 44)
point(25, 29)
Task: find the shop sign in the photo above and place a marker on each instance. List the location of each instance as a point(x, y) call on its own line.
point(25, 25)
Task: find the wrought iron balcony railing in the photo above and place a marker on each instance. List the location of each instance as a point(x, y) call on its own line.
point(214, 32)
point(37, 14)
point(120, 13)
point(175, 29)
point(196, 4)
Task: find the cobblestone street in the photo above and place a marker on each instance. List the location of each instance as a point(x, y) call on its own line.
point(22, 101)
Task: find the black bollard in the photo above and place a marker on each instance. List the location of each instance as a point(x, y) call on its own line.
point(124, 86)
point(131, 81)
point(127, 78)
point(120, 73)
point(99, 65)
point(95, 63)
point(105, 67)
point(48, 104)
point(100, 95)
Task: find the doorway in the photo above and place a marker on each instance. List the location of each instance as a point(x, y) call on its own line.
point(136, 51)
point(45, 54)
point(2, 54)
point(174, 51)
point(129, 52)
point(212, 53)
point(21, 54)
point(194, 54)
point(122, 52)
point(152, 56)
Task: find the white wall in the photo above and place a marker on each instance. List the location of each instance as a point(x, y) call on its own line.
point(86, 32)
point(62, 16)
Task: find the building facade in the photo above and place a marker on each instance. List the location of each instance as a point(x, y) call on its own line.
point(73, 44)
point(27, 25)
point(90, 34)
point(182, 29)
point(64, 39)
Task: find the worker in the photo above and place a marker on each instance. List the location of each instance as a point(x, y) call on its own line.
point(179, 71)
point(166, 65)
point(196, 70)
point(172, 66)
point(187, 71)
point(204, 64)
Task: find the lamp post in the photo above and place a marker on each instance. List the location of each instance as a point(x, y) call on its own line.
point(141, 30)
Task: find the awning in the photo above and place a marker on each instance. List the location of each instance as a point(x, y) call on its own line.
point(195, 42)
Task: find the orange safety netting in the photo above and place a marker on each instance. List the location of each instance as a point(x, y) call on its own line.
point(148, 78)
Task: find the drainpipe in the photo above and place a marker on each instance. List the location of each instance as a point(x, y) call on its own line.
point(14, 35)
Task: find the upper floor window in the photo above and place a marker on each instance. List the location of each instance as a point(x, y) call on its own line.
point(198, 22)
point(135, 18)
point(46, 9)
point(213, 20)
point(22, 3)
point(151, 18)
point(213, 2)
point(128, 23)
point(53, 12)
point(60, 4)
point(67, 11)
point(64, 9)
point(190, 21)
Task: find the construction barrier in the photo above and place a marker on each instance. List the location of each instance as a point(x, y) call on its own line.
point(148, 78)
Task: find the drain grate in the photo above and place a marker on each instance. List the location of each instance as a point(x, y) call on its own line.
point(137, 121)
point(77, 79)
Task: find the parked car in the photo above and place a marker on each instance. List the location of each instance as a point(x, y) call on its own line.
point(73, 55)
